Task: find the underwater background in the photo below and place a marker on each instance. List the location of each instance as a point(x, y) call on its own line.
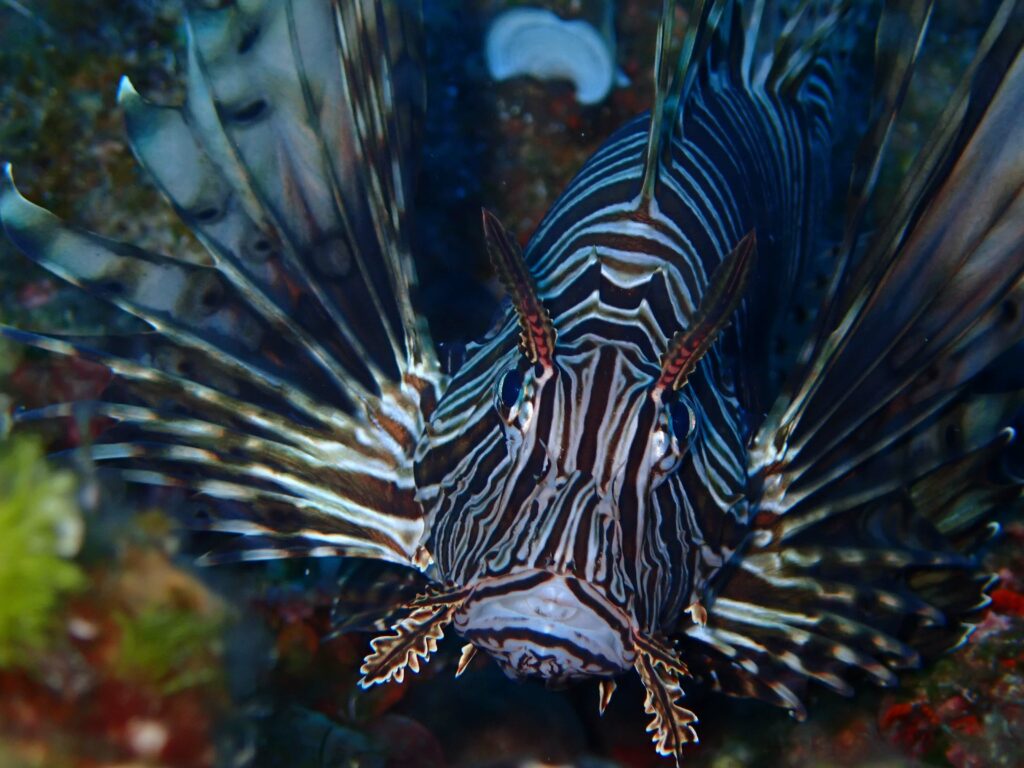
point(116, 650)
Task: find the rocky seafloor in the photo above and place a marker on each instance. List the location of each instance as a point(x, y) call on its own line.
point(115, 650)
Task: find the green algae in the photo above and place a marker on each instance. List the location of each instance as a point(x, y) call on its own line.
point(171, 649)
point(40, 531)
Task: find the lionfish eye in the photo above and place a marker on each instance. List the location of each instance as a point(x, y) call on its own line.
point(510, 387)
point(683, 419)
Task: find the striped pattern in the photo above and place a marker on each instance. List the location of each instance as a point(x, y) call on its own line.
point(599, 485)
point(581, 632)
point(282, 372)
point(585, 476)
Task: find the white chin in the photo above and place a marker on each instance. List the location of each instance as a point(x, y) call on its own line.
point(547, 625)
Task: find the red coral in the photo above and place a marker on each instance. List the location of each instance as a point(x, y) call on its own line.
point(960, 757)
point(61, 379)
point(968, 724)
point(36, 294)
point(913, 725)
point(1007, 601)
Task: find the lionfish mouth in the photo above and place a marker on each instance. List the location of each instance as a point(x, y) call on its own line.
point(537, 623)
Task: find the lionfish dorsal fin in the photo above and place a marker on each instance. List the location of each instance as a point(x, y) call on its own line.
point(537, 337)
point(411, 639)
point(723, 295)
point(661, 672)
point(674, 72)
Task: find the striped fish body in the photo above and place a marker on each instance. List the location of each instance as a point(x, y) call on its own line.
point(585, 476)
point(616, 478)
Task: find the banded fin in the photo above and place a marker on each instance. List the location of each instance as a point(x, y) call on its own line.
point(192, 306)
point(859, 561)
point(345, 491)
point(287, 375)
point(296, 107)
point(932, 303)
point(249, 255)
point(742, 39)
point(368, 596)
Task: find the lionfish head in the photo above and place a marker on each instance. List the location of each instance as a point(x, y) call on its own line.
point(586, 435)
point(536, 473)
point(524, 511)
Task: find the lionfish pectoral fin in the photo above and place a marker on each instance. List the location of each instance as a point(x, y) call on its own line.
point(537, 331)
point(725, 291)
point(284, 373)
point(887, 455)
point(411, 639)
point(661, 672)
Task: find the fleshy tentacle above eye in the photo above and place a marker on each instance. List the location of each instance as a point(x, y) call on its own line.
point(537, 339)
point(725, 292)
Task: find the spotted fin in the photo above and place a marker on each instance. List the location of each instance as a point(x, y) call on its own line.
point(884, 461)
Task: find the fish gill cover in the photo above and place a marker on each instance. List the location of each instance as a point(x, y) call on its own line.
point(746, 420)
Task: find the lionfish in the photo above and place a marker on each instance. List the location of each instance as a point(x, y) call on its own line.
point(624, 473)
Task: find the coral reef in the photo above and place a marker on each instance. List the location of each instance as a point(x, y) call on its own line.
point(535, 42)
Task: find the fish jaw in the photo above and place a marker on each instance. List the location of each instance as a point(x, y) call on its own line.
point(538, 623)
